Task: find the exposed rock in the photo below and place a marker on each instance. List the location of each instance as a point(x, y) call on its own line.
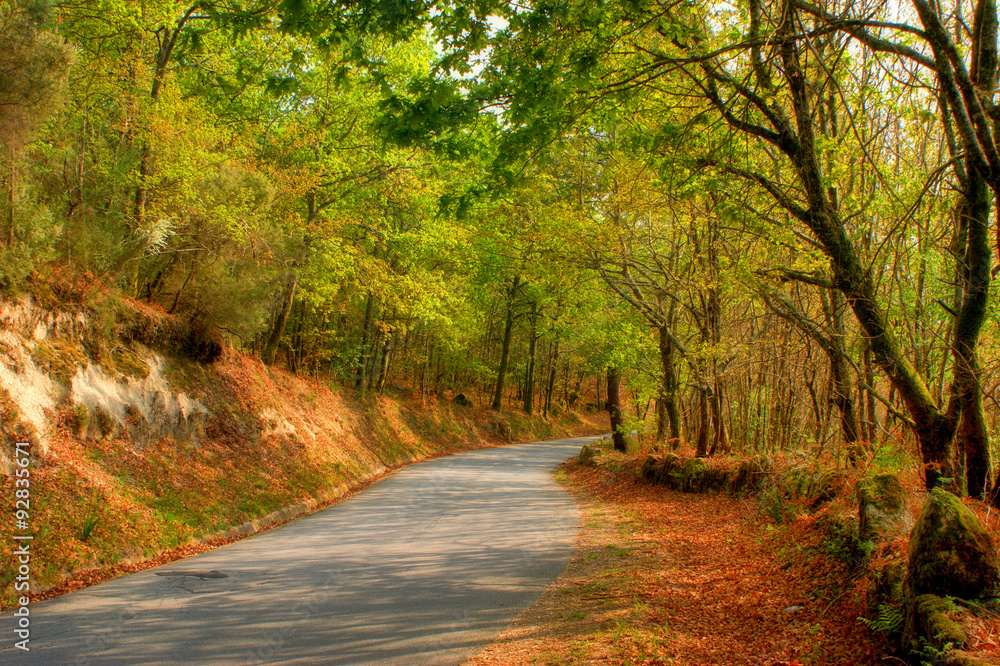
point(882, 507)
point(950, 552)
point(500, 427)
point(27, 392)
point(588, 455)
point(147, 408)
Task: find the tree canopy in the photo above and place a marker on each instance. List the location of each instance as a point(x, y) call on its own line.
point(768, 222)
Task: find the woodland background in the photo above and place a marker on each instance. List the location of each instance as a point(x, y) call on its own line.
point(772, 220)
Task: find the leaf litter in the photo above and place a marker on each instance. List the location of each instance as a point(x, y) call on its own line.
point(663, 577)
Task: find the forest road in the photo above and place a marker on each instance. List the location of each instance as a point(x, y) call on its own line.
point(421, 568)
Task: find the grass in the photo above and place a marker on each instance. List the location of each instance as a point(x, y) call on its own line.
point(90, 520)
point(60, 357)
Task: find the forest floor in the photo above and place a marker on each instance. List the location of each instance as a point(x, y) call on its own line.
point(662, 577)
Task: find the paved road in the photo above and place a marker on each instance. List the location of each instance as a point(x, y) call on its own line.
point(421, 568)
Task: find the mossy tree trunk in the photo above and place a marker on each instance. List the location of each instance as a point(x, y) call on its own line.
point(615, 409)
point(795, 137)
point(668, 425)
point(974, 274)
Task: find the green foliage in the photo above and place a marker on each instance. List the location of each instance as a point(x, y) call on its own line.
point(16, 263)
point(90, 520)
point(890, 460)
point(888, 621)
point(773, 502)
point(368, 191)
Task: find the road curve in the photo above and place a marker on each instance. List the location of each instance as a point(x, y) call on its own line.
point(421, 568)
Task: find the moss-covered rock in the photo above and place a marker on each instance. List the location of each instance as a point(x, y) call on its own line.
point(588, 455)
point(886, 587)
point(794, 482)
point(882, 506)
point(751, 476)
point(950, 552)
point(826, 486)
point(693, 473)
point(959, 658)
point(929, 621)
point(716, 479)
point(665, 471)
point(886, 601)
point(649, 467)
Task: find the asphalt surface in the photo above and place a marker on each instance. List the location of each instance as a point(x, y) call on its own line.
point(423, 567)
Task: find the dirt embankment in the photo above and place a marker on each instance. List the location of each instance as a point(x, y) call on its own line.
point(140, 456)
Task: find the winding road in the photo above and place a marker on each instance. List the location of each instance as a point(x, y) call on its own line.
point(423, 567)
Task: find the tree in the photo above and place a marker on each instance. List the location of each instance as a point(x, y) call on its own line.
point(33, 70)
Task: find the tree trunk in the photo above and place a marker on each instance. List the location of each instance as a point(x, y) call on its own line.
point(720, 440)
point(975, 208)
point(11, 195)
point(934, 428)
point(671, 429)
point(271, 348)
point(553, 370)
point(529, 379)
point(615, 409)
point(972, 432)
point(362, 368)
point(505, 350)
point(701, 449)
point(382, 369)
point(720, 435)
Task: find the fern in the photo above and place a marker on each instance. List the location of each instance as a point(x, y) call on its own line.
point(888, 621)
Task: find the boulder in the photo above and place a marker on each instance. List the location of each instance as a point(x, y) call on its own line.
point(649, 468)
point(463, 400)
point(930, 619)
point(500, 428)
point(885, 590)
point(694, 473)
point(751, 476)
point(825, 487)
point(959, 658)
point(950, 552)
point(882, 506)
point(588, 455)
point(669, 471)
